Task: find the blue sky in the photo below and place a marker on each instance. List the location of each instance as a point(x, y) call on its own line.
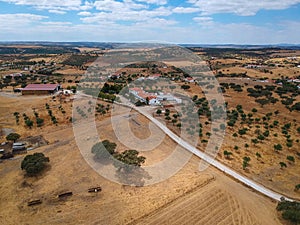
point(190, 21)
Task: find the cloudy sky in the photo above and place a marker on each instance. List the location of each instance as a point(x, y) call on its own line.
point(172, 21)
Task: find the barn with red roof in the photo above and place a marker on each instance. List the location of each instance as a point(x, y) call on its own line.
point(40, 89)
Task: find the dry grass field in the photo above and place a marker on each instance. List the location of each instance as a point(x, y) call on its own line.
point(188, 197)
point(215, 203)
point(204, 197)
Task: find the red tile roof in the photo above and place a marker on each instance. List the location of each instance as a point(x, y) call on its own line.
point(136, 89)
point(140, 92)
point(40, 87)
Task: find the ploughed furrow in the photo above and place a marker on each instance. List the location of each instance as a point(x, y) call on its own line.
point(189, 209)
point(239, 213)
point(196, 208)
point(207, 205)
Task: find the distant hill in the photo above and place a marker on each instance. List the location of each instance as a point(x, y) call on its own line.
point(67, 47)
point(233, 46)
point(36, 50)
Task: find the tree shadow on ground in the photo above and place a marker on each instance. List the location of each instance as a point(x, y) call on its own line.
point(134, 177)
point(102, 161)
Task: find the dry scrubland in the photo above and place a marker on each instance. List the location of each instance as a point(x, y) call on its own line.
point(201, 197)
point(265, 169)
point(189, 197)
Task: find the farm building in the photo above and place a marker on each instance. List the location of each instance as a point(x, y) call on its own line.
point(142, 95)
point(40, 89)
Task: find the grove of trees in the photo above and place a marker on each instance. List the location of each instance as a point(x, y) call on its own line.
point(290, 211)
point(106, 149)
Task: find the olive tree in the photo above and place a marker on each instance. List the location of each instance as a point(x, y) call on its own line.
point(13, 137)
point(34, 164)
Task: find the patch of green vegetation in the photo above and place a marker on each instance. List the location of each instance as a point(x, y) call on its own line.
point(34, 164)
point(79, 60)
point(290, 211)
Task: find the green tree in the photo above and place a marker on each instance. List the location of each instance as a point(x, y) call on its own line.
point(289, 144)
point(185, 87)
point(168, 118)
point(129, 159)
point(231, 123)
point(282, 164)
point(13, 137)
point(29, 123)
point(246, 161)
point(104, 149)
point(258, 155)
point(34, 164)
point(174, 121)
point(242, 131)
point(275, 123)
point(290, 158)
point(16, 114)
point(175, 116)
point(39, 122)
point(290, 210)
point(266, 133)
point(261, 137)
point(254, 141)
point(227, 154)
point(297, 187)
point(278, 147)
point(158, 112)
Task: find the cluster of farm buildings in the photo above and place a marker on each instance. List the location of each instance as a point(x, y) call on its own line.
point(153, 98)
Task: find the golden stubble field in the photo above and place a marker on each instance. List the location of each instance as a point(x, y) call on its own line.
point(190, 196)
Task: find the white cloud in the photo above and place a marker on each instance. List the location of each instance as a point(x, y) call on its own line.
point(60, 5)
point(156, 22)
point(152, 29)
point(87, 5)
point(185, 10)
point(112, 5)
point(47, 3)
point(204, 20)
point(56, 23)
point(156, 2)
point(147, 20)
point(56, 11)
point(84, 13)
point(16, 20)
point(127, 15)
point(241, 7)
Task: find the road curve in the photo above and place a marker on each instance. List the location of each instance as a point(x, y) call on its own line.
point(246, 181)
point(258, 187)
